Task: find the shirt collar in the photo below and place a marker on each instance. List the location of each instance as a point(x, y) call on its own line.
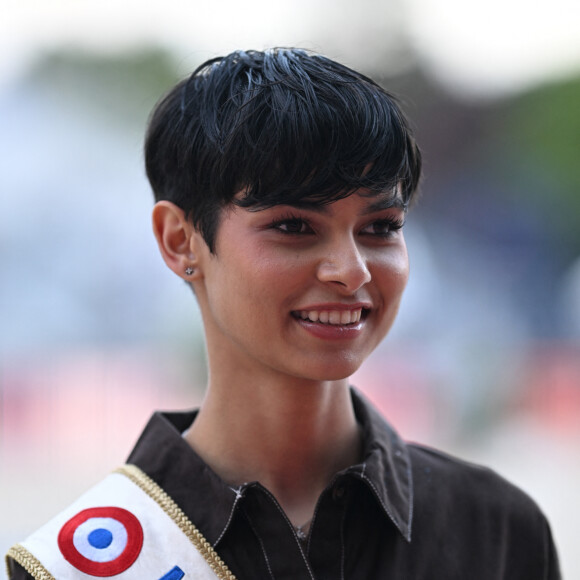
point(386, 466)
point(163, 454)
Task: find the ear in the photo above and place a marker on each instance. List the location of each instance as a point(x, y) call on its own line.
point(176, 238)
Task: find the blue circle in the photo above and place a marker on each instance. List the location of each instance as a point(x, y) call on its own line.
point(100, 538)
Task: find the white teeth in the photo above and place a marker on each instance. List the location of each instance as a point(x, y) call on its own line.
point(335, 317)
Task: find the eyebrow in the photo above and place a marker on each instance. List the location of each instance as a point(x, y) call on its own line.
point(384, 202)
point(381, 203)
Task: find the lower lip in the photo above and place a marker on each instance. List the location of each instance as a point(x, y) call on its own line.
point(332, 331)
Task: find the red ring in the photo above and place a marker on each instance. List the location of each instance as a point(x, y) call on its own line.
point(102, 569)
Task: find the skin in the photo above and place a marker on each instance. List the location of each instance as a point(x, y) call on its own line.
point(277, 408)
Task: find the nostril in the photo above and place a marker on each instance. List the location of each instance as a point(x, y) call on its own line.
point(349, 271)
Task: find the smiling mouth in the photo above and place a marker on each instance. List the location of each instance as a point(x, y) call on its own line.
point(332, 317)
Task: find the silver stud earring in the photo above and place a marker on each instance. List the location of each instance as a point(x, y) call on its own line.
point(189, 271)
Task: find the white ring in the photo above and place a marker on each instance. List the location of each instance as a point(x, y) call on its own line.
point(112, 551)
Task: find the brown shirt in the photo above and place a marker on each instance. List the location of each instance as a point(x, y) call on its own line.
point(404, 512)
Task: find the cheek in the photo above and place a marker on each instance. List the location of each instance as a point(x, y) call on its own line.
point(252, 279)
point(393, 272)
point(402, 272)
point(276, 272)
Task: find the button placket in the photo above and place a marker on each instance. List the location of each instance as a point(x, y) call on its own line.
point(326, 542)
point(272, 528)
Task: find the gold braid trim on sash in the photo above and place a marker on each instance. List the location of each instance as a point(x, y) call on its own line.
point(21, 555)
point(176, 514)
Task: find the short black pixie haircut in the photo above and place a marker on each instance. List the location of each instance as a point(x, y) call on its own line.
point(284, 126)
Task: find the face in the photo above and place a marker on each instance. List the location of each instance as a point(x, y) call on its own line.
point(307, 293)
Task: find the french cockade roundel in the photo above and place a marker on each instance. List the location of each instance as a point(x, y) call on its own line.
point(101, 541)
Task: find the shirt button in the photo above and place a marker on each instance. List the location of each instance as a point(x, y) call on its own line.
point(338, 492)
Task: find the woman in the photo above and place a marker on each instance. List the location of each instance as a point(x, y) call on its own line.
point(283, 181)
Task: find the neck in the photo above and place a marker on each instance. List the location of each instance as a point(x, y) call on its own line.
point(291, 436)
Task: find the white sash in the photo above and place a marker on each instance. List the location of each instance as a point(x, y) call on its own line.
point(126, 527)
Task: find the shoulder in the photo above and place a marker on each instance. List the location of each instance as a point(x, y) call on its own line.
point(466, 484)
point(125, 526)
point(478, 511)
point(48, 551)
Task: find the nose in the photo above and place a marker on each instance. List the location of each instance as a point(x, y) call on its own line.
point(343, 264)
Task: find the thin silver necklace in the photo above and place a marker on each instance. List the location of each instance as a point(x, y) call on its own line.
point(302, 531)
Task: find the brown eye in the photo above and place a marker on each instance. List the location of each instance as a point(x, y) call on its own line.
point(383, 228)
point(292, 226)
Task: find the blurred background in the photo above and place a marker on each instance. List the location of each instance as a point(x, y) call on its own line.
point(95, 332)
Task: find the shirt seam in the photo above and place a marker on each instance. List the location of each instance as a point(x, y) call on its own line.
point(252, 527)
point(386, 507)
point(279, 508)
point(342, 544)
point(239, 495)
point(411, 497)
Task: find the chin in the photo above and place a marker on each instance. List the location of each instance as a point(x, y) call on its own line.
point(336, 370)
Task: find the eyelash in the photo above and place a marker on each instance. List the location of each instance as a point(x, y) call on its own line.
point(393, 225)
point(295, 221)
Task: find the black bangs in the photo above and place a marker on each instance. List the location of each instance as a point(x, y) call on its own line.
point(283, 127)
